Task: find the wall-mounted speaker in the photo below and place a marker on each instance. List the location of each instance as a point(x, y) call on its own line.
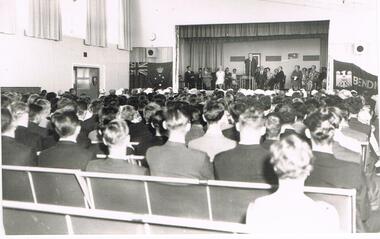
point(151, 52)
point(359, 48)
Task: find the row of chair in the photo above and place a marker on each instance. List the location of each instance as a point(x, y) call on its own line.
point(177, 197)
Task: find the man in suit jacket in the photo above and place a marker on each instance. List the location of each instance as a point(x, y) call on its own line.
point(331, 172)
point(116, 137)
point(20, 114)
point(213, 142)
point(35, 117)
point(249, 161)
point(14, 153)
point(174, 159)
point(189, 77)
point(235, 109)
point(280, 78)
point(67, 153)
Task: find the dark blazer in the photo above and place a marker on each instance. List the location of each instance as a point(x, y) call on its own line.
point(89, 125)
point(65, 154)
point(24, 136)
point(154, 141)
point(232, 134)
point(14, 153)
point(331, 172)
point(48, 139)
point(246, 163)
point(111, 165)
point(176, 160)
point(140, 132)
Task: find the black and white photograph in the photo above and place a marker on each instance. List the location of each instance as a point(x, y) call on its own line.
point(189, 118)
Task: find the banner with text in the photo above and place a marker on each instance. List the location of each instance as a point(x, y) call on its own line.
point(351, 77)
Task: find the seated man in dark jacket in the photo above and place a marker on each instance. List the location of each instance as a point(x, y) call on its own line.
point(116, 137)
point(67, 153)
point(20, 114)
point(174, 159)
point(248, 161)
point(331, 172)
point(14, 153)
point(35, 117)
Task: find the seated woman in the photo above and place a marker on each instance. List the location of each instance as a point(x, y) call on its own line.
point(116, 138)
point(289, 210)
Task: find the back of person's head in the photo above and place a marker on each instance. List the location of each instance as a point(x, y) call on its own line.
point(157, 122)
point(106, 115)
point(287, 113)
point(19, 109)
point(291, 158)
point(236, 109)
point(300, 110)
point(45, 104)
point(5, 101)
point(321, 126)
point(66, 104)
point(66, 123)
point(252, 118)
point(150, 109)
point(213, 111)
point(116, 132)
point(6, 120)
point(32, 98)
point(127, 113)
point(51, 95)
point(265, 102)
point(35, 113)
point(354, 104)
point(273, 125)
point(82, 107)
point(95, 106)
point(176, 119)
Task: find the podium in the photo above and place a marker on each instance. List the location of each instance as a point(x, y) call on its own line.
point(247, 82)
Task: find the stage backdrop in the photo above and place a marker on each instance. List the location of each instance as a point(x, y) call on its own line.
point(351, 77)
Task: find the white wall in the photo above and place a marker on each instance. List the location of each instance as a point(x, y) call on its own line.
point(26, 61)
point(353, 21)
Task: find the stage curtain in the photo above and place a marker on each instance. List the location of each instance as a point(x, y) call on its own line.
point(201, 53)
point(7, 16)
point(96, 23)
point(125, 41)
point(45, 19)
point(254, 29)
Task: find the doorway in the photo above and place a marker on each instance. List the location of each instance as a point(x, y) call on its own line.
point(87, 81)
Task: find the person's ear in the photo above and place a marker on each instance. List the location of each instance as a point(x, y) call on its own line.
point(77, 129)
point(263, 130)
point(204, 118)
point(104, 142)
point(165, 125)
point(151, 124)
point(308, 133)
point(238, 126)
point(188, 127)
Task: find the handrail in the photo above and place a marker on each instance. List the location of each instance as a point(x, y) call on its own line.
point(132, 217)
point(310, 189)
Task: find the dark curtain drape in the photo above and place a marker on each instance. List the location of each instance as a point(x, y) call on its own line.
point(254, 29)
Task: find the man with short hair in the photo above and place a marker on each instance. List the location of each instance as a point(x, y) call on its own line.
point(213, 142)
point(329, 171)
point(116, 137)
point(248, 161)
point(67, 153)
point(273, 129)
point(174, 159)
point(36, 115)
point(13, 152)
point(20, 114)
point(189, 77)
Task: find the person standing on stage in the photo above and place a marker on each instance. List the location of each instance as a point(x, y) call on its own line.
point(260, 78)
point(314, 77)
point(207, 78)
point(228, 79)
point(220, 74)
point(296, 78)
point(234, 79)
point(198, 79)
point(281, 78)
point(189, 77)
